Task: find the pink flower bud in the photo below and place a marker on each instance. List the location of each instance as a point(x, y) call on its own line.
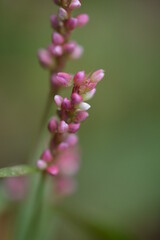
point(57, 51)
point(81, 116)
point(52, 125)
point(98, 75)
point(69, 47)
point(82, 19)
point(79, 78)
point(62, 14)
point(66, 76)
point(63, 146)
point(54, 21)
point(61, 79)
point(58, 100)
point(88, 95)
point(76, 98)
point(72, 23)
point(41, 164)
point(72, 140)
point(57, 38)
point(45, 58)
point(47, 156)
point(84, 106)
point(73, 127)
point(66, 104)
point(63, 127)
point(77, 52)
point(53, 170)
point(74, 4)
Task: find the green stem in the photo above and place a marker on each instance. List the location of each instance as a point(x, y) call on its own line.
point(30, 209)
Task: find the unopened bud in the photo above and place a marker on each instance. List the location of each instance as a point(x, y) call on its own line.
point(82, 19)
point(53, 170)
point(76, 98)
point(77, 52)
point(63, 127)
point(81, 116)
point(57, 38)
point(58, 100)
point(62, 14)
point(74, 4)
point(45, 58)
point(52, 125)
point(98, 75)
point(41, 164)
point(72, 139)
point(79, 78)
point(88, 95)
point(84, 106)
point(73, 127)
point(47, 156)
point(72, 23)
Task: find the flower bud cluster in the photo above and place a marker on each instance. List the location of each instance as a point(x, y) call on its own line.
point(55, 55)
point(61, 159)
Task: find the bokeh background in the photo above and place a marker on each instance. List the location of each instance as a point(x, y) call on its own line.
point(119, 181)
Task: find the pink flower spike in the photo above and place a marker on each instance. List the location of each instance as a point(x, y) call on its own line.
point(57, 38)
point(54, 21)
point(72, 23)
point(82, 19)
point(63, 146)
point(88, 95)
point(79, 78)
point(53, 170)
point(77, 52)
point(84, 106)
point(52, 125)
point(57, 51)
point(58, 100)
point(74, 4)
point(76, 98)
point(73, 127)
point(45, 58)
point(41, 164)
point(98, 75)
point(62, 14)
point(81, 116)
point(63, 127)
point(72, 140)
point(47, 156)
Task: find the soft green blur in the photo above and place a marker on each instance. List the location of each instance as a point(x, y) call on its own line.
point(120, 174)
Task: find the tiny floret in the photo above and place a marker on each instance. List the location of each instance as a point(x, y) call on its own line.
point(97, 76)
point(84, 106)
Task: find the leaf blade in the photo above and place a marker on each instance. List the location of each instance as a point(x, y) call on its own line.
point(16, 171)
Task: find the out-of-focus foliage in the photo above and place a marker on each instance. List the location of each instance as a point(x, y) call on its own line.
point(120, 174)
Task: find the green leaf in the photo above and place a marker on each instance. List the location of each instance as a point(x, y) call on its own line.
point(16, 171)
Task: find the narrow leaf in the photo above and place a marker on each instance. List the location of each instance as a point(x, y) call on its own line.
point(17, 171)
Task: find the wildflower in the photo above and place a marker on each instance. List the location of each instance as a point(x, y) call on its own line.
point(62, 157)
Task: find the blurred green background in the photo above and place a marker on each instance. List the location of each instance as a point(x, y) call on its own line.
point(119, 181)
